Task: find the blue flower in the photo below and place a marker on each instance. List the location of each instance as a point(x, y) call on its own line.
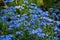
point(44, 14)
point(25, 16)
point(34, 17)
point(4, 11)
point(18, 32)
point(10, 13)
point(55, 32)
point(51, 9)
point(41, 35)
point(41, 23)
point(6, 37)
point(33, 32)
point(38, 30)
point(58, 22)
point(17, 25)
point(27, 23)
point(3, 17)
point(10, 28)
point(54, 15)
point(11, 9)
point(31, 11)
point(55, 38)
point(48, 19)
point(25, 2)
point(31, 21)
point(38, 10)
point(55, 28)
point(33, 5)
point(8, 0)
point(58, 30)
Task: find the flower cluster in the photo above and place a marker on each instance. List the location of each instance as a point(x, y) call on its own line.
point(28, 22)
